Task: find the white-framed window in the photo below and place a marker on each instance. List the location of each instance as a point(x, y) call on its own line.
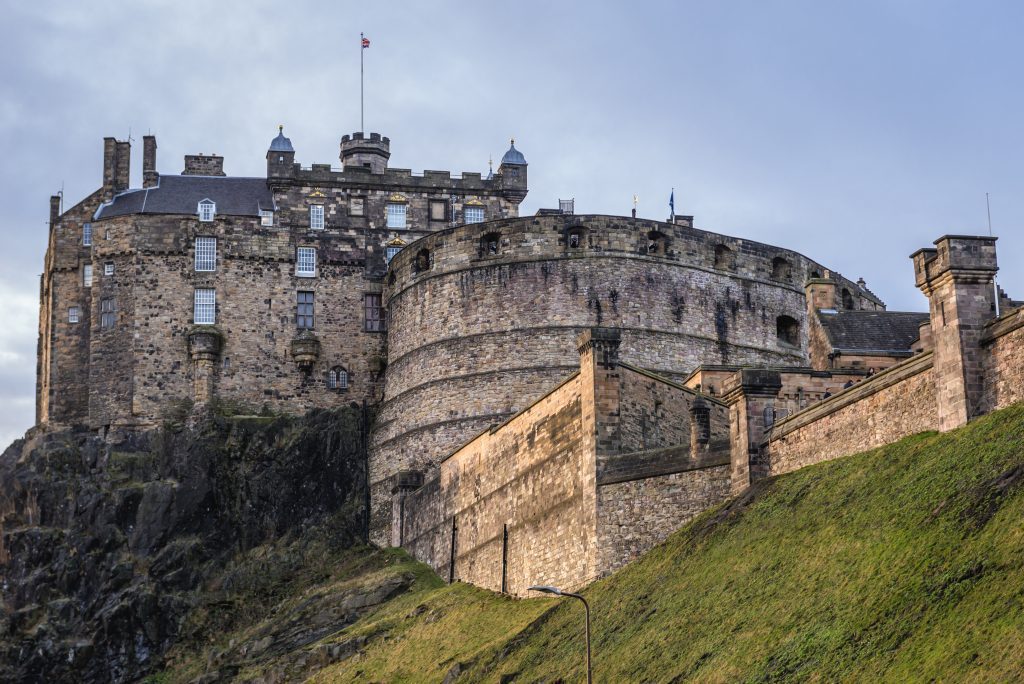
point(86, 234)
point(337, 378)
point(205, 311)
point(206, 254)
point(266, 217)
point(473, 214)
point(72, 314)
point(207, 208)
point(305, 262)
point(316, 216)
point(87, 275)
point(108, 312)
point(108, 268)
point(396, 215)
point(390, 252)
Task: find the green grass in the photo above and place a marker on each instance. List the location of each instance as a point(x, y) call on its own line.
point(905, 563)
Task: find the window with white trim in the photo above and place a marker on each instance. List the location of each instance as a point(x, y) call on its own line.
point(108, 268)
point(266, 217)
point(86, 234)
point(396, 215)
point(205, 310)
point(87, 275)
point(304, 310)
point(316, 216)
point(206, 254)
point(390, 252)
point(473, 214)
point(108, 312)
point(72, 314)
point(305, 262)
point(207, 209)
point(337, 378)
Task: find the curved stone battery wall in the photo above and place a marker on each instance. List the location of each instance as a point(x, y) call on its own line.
point(483, 318)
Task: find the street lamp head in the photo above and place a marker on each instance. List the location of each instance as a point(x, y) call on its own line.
point(546, 589)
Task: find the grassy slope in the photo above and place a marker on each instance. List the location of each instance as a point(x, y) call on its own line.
point(903, 563)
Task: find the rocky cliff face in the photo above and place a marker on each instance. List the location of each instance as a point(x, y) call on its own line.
point(108, 545)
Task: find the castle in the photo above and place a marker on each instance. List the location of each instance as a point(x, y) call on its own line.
point(554, 393)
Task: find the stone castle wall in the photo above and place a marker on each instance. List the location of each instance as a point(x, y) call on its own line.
point(879, 410)
point(1003, 377)
point(523, 492)
point(489, 312)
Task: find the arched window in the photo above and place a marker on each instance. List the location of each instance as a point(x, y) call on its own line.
point(423, 260)
point(337, 378)
point(848, 303)
point(781, 269)
point(490, 244)
point(724, 259)
point(787, 330)
point(656, 243)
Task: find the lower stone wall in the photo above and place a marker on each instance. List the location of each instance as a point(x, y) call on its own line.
point(1003, 379)
point(529, 482)
point(634, 516)
point(897, 402)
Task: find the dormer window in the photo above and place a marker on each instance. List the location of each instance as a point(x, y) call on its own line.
point(207, 208)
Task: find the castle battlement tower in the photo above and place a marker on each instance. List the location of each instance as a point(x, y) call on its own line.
point(370, 153)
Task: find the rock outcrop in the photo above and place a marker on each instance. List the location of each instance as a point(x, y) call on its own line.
point(108, 543)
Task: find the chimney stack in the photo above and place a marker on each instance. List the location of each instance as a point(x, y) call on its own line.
point(54, 210)
point(149, 175)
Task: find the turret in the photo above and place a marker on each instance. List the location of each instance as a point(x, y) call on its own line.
point(513, 174)
point(371, 153)
point(280, 156)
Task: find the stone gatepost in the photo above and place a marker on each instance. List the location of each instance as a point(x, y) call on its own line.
point(204, 345)
point(957, 276)
point(751, 395)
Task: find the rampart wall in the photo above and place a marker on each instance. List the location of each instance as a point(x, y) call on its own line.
point(1003, 379)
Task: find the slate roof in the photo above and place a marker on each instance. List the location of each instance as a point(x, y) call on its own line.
point(513, 156)
point(182, 194)
point(281, 143)
point(866, 331)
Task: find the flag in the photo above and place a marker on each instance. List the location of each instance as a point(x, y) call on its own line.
point(366, 43)
point(672, 201)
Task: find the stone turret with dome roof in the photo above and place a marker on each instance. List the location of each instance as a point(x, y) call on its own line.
point(280, 156)
point(513, 174)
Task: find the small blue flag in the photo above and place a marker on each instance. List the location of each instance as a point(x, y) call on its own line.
point(672, 201)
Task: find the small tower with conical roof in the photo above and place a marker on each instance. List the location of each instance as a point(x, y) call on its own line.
point(280, 156)
point(513, 174)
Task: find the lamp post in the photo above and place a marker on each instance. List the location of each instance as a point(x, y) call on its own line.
point(558, 592)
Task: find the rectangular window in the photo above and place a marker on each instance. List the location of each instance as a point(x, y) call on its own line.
point(86, 234)
point(473, 214)
point(108, 268)
point(374, 313)
point(73, 314)
point(206, 254)
point(108, 313)
point(266, 218)
point(438, 210)
point(356, 206)
point(87, 275)
point(305, 262)
point(390, 252)
point(396, 215)
point(205, 311)
point(304, 310)
point(316, 216)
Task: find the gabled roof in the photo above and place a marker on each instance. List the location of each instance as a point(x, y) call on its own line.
point(871, 331)
point(182, 195)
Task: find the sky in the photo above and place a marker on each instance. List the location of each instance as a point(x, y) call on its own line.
point(852, 132)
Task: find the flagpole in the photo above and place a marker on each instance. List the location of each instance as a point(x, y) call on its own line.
point(362, 124)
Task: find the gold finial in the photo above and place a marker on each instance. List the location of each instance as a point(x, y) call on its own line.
point(512, 142)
